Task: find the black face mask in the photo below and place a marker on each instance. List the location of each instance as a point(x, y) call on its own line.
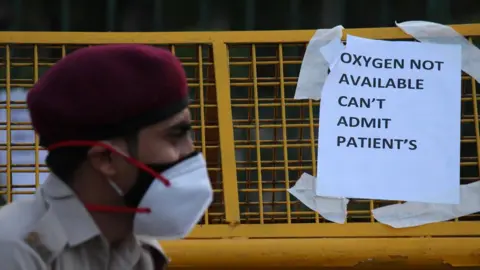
point(144, 180)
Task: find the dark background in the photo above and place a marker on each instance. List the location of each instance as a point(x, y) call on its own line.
point(201, 15)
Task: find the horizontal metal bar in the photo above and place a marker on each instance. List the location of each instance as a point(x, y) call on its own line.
point(247, 37)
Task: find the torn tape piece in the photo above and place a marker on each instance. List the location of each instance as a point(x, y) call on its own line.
point(332, 209)
point(411, 214)
point(332, 51)
point(430, 32)
point(314, 69)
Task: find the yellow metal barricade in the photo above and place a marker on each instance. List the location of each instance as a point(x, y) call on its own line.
point(257, 140)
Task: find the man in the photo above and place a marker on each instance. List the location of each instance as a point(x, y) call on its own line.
point(115, 121)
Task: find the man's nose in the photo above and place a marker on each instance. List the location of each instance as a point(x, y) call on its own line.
point(187, 148)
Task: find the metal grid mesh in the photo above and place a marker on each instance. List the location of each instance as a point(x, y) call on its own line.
point(22, 161)
point(276, 136)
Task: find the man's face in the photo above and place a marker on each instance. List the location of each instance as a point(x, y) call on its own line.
point(163, 143)
point(167, 141)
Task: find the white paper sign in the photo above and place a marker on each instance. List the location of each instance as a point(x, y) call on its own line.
point(390, 123)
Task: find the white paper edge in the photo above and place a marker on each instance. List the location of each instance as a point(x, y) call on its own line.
point(409, 214)
point(430, 32)
point(412, 214)
point(314, 68)
point(331, 51)
point(332, 209)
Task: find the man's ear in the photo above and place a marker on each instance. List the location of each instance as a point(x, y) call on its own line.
point(101, 160)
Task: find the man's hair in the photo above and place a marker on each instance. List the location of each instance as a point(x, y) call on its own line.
point(63, 162)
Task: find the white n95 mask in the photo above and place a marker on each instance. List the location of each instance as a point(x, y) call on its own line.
point(167, 200)
point(175, 209)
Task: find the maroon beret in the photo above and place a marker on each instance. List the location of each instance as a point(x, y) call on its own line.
point(102, 92)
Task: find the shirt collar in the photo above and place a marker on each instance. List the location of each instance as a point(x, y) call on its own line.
point(77, 223)
point(75, 220)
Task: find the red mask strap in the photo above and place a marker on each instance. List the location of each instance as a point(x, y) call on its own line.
point(107, 146)
point(138, 164)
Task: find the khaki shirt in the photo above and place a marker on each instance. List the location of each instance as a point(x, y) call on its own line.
point(53, 231)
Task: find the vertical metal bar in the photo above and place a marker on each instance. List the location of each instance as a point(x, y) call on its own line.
point(257, 132)
point(65, 15)
point(294, 23)
point(37, 147)
point(439, 11)
point(111, 8)
point(158, 15)
point(9, 123)
point(202, 109)
point(371, 206)
point(212, 134)
point(476, 119)
point(225, 122)
point(284, 132)
point(312, 146)
point(250, 15)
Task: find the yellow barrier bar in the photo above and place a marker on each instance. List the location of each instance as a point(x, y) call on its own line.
point(475, 101)
point(36, 140)
point(282, 234)
point(229, 167)
point(284, 36)
point(312, 230)
point(341, 252)
point(202, 112)
point(256, 125)
point(8, 127)
point(284, 132)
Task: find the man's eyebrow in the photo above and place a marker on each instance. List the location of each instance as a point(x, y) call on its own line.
point(184, 125)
